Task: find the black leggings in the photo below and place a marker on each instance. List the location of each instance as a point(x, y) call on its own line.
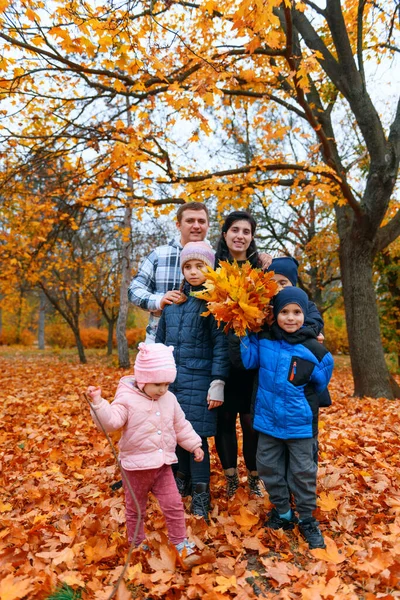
point(226, 440)
point(198, 472)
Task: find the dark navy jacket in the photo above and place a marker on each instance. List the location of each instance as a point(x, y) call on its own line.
point(293, 370)
point(201, 355)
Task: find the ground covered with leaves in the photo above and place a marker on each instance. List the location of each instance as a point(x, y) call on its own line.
point(62, 525)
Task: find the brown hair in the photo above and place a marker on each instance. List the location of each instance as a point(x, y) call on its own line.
point(191, 206)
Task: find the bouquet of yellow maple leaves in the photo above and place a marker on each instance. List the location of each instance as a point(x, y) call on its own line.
point(238, 296)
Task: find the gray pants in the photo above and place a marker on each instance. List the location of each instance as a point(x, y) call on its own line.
point(299, 476)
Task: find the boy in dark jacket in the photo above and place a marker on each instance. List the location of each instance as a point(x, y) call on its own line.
point(202, 362)
point(293, 369)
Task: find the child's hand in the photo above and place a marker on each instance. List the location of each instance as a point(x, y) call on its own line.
point(320, 338)
point(213, 403)
point(94, 393)
point(198, 454)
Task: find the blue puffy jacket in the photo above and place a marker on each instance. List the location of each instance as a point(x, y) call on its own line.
point(201, 355)
point(293, 370)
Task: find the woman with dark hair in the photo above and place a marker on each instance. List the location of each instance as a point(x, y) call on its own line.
point(237, 243)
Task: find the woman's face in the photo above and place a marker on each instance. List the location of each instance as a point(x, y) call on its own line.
point(238, 238)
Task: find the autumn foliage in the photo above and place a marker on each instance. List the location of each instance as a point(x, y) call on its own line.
point(60, 521)
point(238, 296)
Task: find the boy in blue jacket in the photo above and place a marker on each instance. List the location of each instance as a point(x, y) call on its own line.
point(293, 369)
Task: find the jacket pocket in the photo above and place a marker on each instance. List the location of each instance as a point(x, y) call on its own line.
point(299, 371)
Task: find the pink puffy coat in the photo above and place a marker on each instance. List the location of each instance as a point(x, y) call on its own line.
point(151, 428)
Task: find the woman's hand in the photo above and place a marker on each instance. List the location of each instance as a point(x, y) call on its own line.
point(198, 454)
point(94, 393)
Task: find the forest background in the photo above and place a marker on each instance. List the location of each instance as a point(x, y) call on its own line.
point(112, 114)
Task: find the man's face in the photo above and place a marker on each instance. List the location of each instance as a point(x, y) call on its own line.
point(193, 226)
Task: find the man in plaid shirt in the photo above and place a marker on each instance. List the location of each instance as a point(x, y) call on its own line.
point(158, 279)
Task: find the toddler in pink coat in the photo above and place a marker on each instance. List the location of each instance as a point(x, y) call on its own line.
point(152, 423)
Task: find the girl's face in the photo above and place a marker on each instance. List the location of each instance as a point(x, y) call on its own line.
point(155, 390)
point(193, 271)
point(290, 318)
point(282, 280)
point(238, 238)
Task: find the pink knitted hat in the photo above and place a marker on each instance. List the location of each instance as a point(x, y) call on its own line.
point(198, 250)
point(155, 363)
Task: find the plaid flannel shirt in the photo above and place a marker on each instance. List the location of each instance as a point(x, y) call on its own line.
point(158, 273)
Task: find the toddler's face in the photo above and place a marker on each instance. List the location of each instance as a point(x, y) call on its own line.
point(155, 390)
point(193, 271)
point(290, 318)
point(282, 280)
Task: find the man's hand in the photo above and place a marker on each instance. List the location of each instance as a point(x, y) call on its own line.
point(170, 297)
point(320, 338)
point(198, 454)
point(94, 393)
point(266, 260)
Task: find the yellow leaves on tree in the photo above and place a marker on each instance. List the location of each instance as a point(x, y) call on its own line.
point(238, 296)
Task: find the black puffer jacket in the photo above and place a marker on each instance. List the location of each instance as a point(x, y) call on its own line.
point(201, 355)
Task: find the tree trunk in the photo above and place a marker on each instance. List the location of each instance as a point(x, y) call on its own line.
point(122, 342)
point(110, 336)
point(79, 345)
point(42, 314)
point(370, 372)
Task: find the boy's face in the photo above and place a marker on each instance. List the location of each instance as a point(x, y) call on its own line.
point(193, 271)
point(155, 390)
point(282, 280)
point(290, 318)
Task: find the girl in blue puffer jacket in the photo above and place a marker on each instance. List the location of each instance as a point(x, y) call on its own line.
point(202, 362)
point(293, 369)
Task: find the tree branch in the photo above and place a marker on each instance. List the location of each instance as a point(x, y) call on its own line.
point(387, 234)
point(360, 14)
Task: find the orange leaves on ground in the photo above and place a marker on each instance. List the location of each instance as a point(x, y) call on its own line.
point(238, 296)
point(61, 522)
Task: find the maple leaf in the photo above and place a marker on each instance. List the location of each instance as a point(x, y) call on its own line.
point(327, 502)
point(12, 587)
point(330, 553)
point(238, 296)
point(72, 578)
point(246, 518)
point(225, 583)
point(167, 560)
point(99, 551)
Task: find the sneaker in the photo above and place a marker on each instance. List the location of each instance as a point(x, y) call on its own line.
point(200, 501)
point(255, 485)
point(190, 547)
point(274, 521)
point(183, 484)
point(311, 533)
point(232, 484)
